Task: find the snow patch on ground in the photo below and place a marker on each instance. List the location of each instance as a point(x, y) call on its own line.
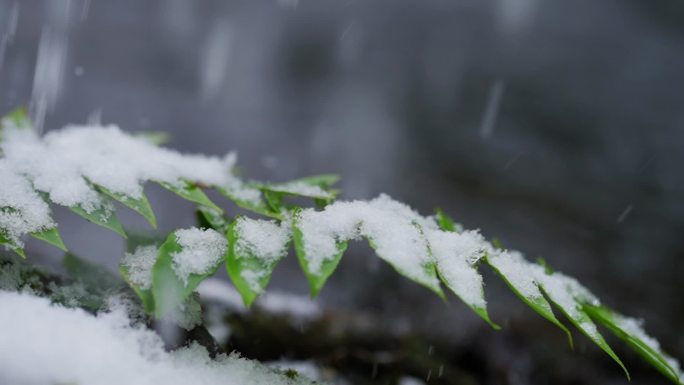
point(49, 344)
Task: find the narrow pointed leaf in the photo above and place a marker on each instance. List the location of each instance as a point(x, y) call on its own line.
point(444, 221)
point(456, 257)
point(212, 219)
point(254, 204)
point(52, 237)
point(104, 216)
point(10, 245)
point(316, 278)
point(426, 278)
point(249, 265)
point(168, 290)
point(322, 180)
point(140, 205)
point(508, 267)
point(191, 192)
point(145, 296)
point(630, 332)
point(577, 316)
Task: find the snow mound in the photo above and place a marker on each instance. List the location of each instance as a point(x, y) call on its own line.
point(49, 344)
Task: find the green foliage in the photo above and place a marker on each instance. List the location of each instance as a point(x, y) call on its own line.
point(241, 263)
point(139, 205)
point(316, 279)
point(191, 192)
point(104, 215)
point(168, 291)
point(52, 237)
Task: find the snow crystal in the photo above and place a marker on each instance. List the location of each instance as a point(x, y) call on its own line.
point(22, 210)
point(263, 239)
point(139, 265)
point(456, 256)
point(69, 343)
point(200, 251)
point(392, 227)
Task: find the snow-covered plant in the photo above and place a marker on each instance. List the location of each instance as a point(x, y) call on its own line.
point(88, 168)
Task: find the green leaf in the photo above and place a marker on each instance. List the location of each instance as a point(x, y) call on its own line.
point(429, 270)
point(316, 278)
point(274, 200)
point(155, 137)
point(537, 302)
point(140, 205)
point(639, 342)
point(322, 180)
point(444, 221)
point(19, 118)
point(241, 262)
point(191, 192)
point(209, 218)
point(145, 296)
point(450, 280)
point(12, 246)
point(52, 237)
point(259, 206)
point(316, 187)
point(104, 215)
point(168, 290)
point(578, 317)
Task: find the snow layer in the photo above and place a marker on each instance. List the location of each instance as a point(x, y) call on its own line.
point(201, 251)
point(139, 265)
point(456, 256)
point(104, 155)
point(22, 210)
point(49, 344)
point(266, 240)
point(392, 227)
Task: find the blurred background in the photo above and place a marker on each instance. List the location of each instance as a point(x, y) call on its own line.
point(555, 126)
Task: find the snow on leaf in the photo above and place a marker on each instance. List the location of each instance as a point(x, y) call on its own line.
point(631, 331)
point(186, 258)
point(140, 205)
point(568, 295)
point(519, 275)
point(456, 257)
point(191, 192)
point(392, 229)
point(103, 215)
point(254, 249)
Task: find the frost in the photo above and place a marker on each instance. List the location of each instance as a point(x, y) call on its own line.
point(139, 266)
point(69, 343)
point(266, 240)
point(200, 251)
point(393, 229)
